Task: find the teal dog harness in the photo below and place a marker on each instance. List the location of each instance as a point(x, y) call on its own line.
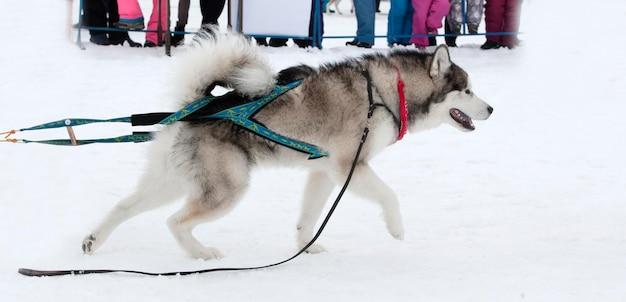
point(198, 111)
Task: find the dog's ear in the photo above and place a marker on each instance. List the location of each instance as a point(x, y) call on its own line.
point(441, 62)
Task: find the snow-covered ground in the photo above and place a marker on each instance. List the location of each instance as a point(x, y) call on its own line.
point(529, 207)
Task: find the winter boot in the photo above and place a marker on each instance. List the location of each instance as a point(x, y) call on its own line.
point(490, 45)
point(100, 39)
point(118, 38)
point(178, 37)
point(150, 44)
point(358, 44)
point(261, 41)
point(450, 40)
point(432, 41)
point(274, 42)
point(303, 43)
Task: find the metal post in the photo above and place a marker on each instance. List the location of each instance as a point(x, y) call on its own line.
point(240, 16)
point(464, 10)
point(159, 25)
point(168, 42)
point(317, 32)
point(79, 41)
point(230, 25)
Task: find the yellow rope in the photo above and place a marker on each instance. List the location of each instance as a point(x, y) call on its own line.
point(7, 136)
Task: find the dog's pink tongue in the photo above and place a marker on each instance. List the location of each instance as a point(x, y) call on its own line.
point(462, 118)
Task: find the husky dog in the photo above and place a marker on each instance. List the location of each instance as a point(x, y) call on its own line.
point(210, 162)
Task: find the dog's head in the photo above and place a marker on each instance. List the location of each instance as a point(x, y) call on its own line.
point(460, 105)
point(451, 98)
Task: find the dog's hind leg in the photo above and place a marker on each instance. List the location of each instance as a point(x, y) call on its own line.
point(366, 184)
point(218, 190)
point(318, 188)
point(153, 191)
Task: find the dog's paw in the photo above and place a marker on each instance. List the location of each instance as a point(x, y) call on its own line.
point(207, 253)
point(315, 249)
point(89, 244)
point(396, 230)
point(398, 236)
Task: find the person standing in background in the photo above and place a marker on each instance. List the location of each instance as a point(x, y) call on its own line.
point(210, 9)
point(131, 16)
point(302, 43)
point(365, 16)
point(399, 23)
point(130, 10)
point(454, 20)
point(104, 13)
point(157, 22)
point(427, 18)
point(502, 16)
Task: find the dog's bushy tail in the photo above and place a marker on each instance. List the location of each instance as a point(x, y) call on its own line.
point(229, 58)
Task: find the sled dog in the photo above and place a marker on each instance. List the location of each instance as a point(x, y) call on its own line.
point(209, 163)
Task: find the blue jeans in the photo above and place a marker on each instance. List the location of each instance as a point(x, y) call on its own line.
point(365, 11)
point(400, 22)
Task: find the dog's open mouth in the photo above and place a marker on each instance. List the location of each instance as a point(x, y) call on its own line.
point(462, 118)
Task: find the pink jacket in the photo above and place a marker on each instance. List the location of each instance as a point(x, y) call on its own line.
point(438, 10)
point(427, 17)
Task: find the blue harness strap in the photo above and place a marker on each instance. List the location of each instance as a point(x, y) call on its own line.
point(75, 122)
point(242, 115)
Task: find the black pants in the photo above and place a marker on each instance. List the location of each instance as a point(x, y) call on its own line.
point(211, 10)
point(102, 13)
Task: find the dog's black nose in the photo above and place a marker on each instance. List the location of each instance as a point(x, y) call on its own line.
point(490, 109)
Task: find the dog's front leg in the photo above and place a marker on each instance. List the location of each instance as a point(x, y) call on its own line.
point(366, 184)
point(318, 188)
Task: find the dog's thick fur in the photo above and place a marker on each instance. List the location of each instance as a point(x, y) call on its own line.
point(210, 163)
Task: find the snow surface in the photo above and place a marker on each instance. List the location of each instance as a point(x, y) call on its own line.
point(529, 207)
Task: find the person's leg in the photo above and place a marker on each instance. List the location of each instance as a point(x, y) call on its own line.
point(437, 11)
point(450, 40)
point(494, 12)
point(474, 14)
point(511, 22)
point(152, 38)
point(365, 15)
point(117, 37)
point(420, 14)
point(183, 17)
point(454, 21)
point(395, 21)
point(455, 16)
point(95, 16)
point(211, 10)
point(407, 22)
point(183, 13)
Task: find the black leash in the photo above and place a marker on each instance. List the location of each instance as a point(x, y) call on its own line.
point(370, 112)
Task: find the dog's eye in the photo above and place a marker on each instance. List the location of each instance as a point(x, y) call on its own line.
point(467, 91)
